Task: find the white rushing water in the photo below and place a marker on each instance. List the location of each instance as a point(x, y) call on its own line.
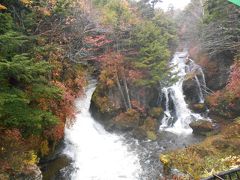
point(97, 154)
point(183, 115)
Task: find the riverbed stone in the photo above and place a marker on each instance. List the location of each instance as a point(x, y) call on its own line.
point(202, 127)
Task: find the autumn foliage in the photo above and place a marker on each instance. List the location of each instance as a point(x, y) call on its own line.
point(40, 76)
point(226, 102)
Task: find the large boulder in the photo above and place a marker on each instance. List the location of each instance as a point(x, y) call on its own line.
point(202, 127)
point(191, 90)
point(139, 133)
point(127, 120)
point(148, 130)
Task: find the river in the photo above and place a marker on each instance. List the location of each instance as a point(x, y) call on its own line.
point(95, 154)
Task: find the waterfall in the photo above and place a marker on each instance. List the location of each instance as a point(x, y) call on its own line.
point(97, 154)
point(178, 118)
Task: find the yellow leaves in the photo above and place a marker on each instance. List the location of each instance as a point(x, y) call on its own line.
point(165, 160)
point(44, 148)
point(31, 158)
point(26, 2)
point(2, 7)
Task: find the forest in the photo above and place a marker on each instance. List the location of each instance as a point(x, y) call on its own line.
point(50, 50)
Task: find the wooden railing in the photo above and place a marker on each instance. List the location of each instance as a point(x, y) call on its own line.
point(233, 174)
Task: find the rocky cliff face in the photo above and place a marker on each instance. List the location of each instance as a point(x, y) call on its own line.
point(107, 106)
point(216, 68)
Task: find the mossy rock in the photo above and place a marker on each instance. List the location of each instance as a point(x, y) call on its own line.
point(198, 108)
point(151, 124)
point(156, 112)
point(152, 135)
point(127, 120)
point(201, 127)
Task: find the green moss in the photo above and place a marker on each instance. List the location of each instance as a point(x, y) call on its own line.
point(150, 124)
point(152, 135)
point(156, 112)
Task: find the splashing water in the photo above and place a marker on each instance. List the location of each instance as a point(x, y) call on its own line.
point(180, 111)
point(97, 154)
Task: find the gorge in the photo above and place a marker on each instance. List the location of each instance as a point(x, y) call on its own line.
point(118, 89)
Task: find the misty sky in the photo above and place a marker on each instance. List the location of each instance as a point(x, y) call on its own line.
point(178, 4)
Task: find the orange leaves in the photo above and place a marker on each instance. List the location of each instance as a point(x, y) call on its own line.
point(2, 7)
point(111, 64)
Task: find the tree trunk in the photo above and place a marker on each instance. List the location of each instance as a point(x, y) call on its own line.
point(126, 90)
point(121, 91)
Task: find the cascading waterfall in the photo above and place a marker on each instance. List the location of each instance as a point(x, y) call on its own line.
point(178, 117)
point(97, 154)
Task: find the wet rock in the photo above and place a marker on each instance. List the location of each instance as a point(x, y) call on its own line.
point(190, 90)
point(53, 167)
point(198, 107)
point(139, 133)
point(201, 127)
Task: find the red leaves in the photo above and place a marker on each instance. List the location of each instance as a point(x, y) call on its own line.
point(56, 133)
point(215, 98)
point(110, 58)
point(13, 134)
point(135, 75)
point(95, 45)
point(97, 41)
point(234, 80)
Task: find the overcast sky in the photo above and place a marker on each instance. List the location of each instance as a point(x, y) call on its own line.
point(178, 4)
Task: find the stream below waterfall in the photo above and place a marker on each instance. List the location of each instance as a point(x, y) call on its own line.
point(89, 152)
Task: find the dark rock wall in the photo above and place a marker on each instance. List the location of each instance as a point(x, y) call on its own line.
point(216, 68)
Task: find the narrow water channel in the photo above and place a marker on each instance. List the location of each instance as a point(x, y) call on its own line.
point(97, 154)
